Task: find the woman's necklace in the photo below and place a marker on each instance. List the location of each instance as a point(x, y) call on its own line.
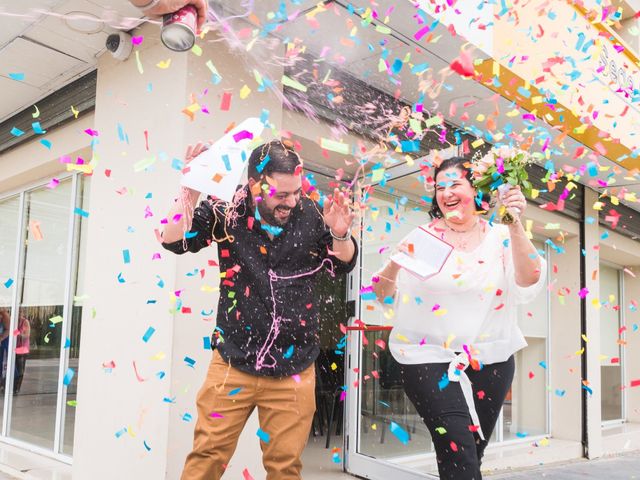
point(464, 240)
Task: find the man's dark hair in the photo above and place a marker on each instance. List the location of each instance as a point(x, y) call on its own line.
point(282, 158)
point(459, 163)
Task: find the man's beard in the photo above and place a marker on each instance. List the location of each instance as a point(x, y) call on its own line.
point(268, 216)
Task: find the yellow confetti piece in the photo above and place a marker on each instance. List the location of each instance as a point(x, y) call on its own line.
point(143, 164)
point(245, 91)
point(598, 206)
point(552, 226)
point(383, 29)
point(513, 113)
point(449, 340)
point(86, 168)
point(209, 289)
point(334, 146)
point(139, 63)
point(55, 320)
point(477, 143)
point(196, 50)
point(164, 64)
point(440, 312)
point(36, 114)
point(290, 82)
point(602, 357)
point(402, 338)
point(544, 442)
point(74, 111)
point(536, 99)
point(580, 352)
point(584, 337)
point(581, 129)
point(495, 69)
point(159, 356)
point(374, 427)
point(596, 303)
point(435, 120)
point(212, 68)
point(334, 367)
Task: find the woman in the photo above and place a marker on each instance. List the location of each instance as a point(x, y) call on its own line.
point(463, 316)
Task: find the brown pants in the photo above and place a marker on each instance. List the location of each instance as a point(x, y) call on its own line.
point(285, 411)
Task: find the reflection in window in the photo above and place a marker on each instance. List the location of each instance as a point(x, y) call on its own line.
point(610, 361)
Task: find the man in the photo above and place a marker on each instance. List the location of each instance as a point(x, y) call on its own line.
point(272, 241)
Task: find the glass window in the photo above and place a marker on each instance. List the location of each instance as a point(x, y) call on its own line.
point(72, 341)
point(394, 210)
point(610, 363)
point(9, 210)
point(525, 409)
point(41, 300)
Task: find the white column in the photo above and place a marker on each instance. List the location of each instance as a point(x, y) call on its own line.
point(157, 438)
point(592, 262)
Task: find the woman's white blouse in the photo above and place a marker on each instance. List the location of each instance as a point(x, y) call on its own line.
point(470, 306)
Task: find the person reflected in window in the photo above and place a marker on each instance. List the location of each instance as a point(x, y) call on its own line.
point(5, 330)
point(464, 316)
point(22, 352)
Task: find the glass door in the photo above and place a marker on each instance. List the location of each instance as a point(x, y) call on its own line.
point(386, 436)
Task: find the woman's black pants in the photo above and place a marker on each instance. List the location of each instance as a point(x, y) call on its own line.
point(445, 412)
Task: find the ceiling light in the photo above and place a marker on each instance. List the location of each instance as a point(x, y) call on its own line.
point(83, 22)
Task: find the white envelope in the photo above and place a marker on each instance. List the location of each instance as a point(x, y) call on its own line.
point(218, 170)
point(429, 254)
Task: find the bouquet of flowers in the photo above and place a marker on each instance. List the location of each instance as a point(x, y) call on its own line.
point(499, 170)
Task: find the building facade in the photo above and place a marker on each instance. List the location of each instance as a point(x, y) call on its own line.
point(119, 328)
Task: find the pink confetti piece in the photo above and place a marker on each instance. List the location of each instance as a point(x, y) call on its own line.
point(137, 40)
point(296, 378)
point(93, 133)
point(243, 135)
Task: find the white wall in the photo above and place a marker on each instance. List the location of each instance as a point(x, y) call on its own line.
point(109, 402)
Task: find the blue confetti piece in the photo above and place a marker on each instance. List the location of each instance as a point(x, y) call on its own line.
point(16, 132)
point(68, 376)
point(235, 391)
point(126, 256)
point(81, 212)
point(273, 230)
point(588, 389)
point(399, 432)
point(121, 278)
point(67, 342)
point(524, 92)
point(521, 434)
point(169, 399)
point(206, 343)
point(146, 446)
point(388, 300)
point(396, 66)
point(147, 335)
point(121, 432)
point(46, 143)
point(289, 352)
point(38, 128)
point(190, 234)
point(444, 382)
point(149, 195)
point(262, 164)
point(160, 375)
point(336, 458)
point(189, 361)
point(8, 283)
point(264, 436)
point(368, 296)
point(177, 164)
point(543, 364)
point(227, 163)
point(560, 393)
point(187, 417)
point(264, 116)
point(16, 76)
point(410, 146)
